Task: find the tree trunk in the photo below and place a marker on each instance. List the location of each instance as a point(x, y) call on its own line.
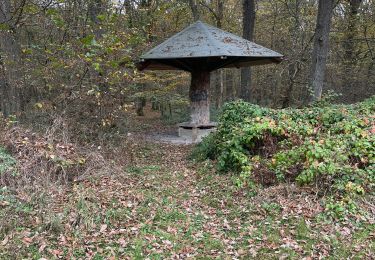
point(350, 58)
point(230, 85)
point(352, 16)
point(140, 103)
point(221, 86)
point(194, 9)
point(220, 13)
point(10, 79)
point(321, 47)
point(248, 33)
point(129, 13)
point(200, 105)
point(219, 74)
point(96, 8)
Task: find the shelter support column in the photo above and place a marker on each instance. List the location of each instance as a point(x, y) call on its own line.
point(199, 97)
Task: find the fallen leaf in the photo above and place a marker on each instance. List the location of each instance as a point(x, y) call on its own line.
point(122, 242)
point(103, 228)
point(5, 241)
point(27, 241)
point(4, 203)
point(56, 252)
point(42, 247)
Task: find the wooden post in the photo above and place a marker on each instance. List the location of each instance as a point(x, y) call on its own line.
point(199, 99)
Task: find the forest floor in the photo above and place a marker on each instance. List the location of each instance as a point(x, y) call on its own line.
point(157, 204)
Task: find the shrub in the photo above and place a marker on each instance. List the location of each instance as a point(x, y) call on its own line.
point(332, 145)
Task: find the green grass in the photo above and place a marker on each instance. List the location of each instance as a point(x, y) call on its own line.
point(7, 162)
point(159, 208)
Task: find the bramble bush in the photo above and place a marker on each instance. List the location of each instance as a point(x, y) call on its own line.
point(329, 145)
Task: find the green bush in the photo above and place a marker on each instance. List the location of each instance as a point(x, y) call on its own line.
point(332, 145)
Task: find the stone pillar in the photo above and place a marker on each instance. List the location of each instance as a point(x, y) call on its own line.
point(199, 97)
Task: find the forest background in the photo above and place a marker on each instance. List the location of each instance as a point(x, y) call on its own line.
point(78, 57)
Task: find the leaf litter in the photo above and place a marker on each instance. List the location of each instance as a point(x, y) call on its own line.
point(160, 204)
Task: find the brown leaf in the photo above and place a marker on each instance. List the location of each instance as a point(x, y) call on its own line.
point(5, 241)
point(103, 228)
point(122, 242)
point(27, 240)
point(56, 252)
point(42, 247)
point(253, 252)
point(4, 203)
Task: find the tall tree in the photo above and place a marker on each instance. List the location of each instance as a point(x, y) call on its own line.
point(194, 9)
point(219, 24)
point(129, 12)
point(95, 9)
point(321, 47)
point(248, 33)
point(352, 17)
point(10, 79)
point(350, 77)
point(218, 15)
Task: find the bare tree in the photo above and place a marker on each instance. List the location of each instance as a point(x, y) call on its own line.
point(248, 33)
point(321, 47)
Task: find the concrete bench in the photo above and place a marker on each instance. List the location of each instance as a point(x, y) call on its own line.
point(195, 132)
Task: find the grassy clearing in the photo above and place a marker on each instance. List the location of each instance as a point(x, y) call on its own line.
point(137, 199)
point(163, 206)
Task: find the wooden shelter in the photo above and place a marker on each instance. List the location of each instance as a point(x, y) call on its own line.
point(199, 49)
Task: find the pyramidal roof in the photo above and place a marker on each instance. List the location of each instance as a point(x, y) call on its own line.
point(201, 40)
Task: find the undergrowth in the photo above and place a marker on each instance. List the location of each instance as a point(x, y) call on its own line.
point(7, 162)
point(331, 146)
